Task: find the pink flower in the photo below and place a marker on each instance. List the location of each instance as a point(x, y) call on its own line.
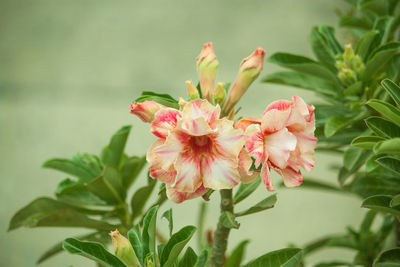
point(196, 151)
point(249, 70)
point(145, 110)
point(282, 140)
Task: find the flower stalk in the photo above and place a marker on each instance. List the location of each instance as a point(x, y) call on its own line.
point(220, 241)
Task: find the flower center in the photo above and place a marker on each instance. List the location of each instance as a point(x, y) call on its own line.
point(200, 145)
point(201, 140)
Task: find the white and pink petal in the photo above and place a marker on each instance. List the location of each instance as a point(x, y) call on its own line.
point(255, 143)
point(278, 147)
point(219, 172)
point(165, 121)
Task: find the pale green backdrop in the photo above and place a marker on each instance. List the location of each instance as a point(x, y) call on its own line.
point(69, 70)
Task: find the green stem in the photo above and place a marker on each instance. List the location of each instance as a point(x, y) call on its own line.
point(220, 241)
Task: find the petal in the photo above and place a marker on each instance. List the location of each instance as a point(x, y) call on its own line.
point(152, 156)
point(280, 105)
point(158, 173)
point(169, 151)
point(274, 120)
point(299, 116)
point(255, 143)
point(228, 140)
point(179, 197)
point(291, 176)
point(195, 127)
point(165, 121)
point(266, 176)
point(245, 162)
point(200, 108)
point(279, 145)
point(188, 177)
point(219, 172)
point(246, 122)
point(145, 110)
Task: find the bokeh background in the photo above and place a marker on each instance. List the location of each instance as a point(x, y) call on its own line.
point(69, 70)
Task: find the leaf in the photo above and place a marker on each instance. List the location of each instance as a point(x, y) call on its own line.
point(135, 238)
point(140, 197)
point(175, 245)
point(334, 263)
point(387, 110)
point(202, 259)
point(381, 203)
point(382, 127)
point(366, 142)
point(108, 186)
point(392, 89)
point(367, 221)
point(168, 215)
point(287, 257)
point(321, 49)
point(336, 123)
point(112, 154)
point(101, 237)
point(371, 164)
point(83, 166)
point(376, 183)
point(388, 258)
point(92, 250)
point(237, 255)
point(354, 22)
point(163, 99)
point(149, 232)
point(390, 146)
point(395, 201)
point(265, 204)
point(378, 59)
point(304, 81)
point(188, 259)
point(227, 219)
point(131, 169)
point(351, 156)
point(302, 64)
point(245, 190)
point(390, 163)
point(365, 45)
point(309, 183)
point(45, 211)
point(329, 33)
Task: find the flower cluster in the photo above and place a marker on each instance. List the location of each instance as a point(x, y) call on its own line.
point(200, 147)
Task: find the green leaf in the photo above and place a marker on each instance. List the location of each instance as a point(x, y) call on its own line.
point(335, 124)
point(395, 201)
point(131, 169)
point(45, 211)
point(168, 215)
point(92, 250)
point(302, 64)
point(321, 48)
point(381, 203)
point(108, 186)
point(237, 255)
point(387, 110)
point(288, 257)
point(378, 59)
point(83, 166)
point(367, 221)
point(389, 163)
point(304, 81)
point(388, 258)
point(374, 184)
point(351, 157)
point(202, 259)
point(245, 190)
point(365, 45)
point(309, 183)
point(382, 127)
point(175, 245)
point(371, 164)
point(390, 146)
point(227, 219)
point(265, 204)
point(392, 89)
point(188, 259)
point(163, 99)
point(334, 263)
point(366, 142)
point(101, 237)
point(378, 7)
point(329, 33)
point(149, 232)
point(112, 154)
point(135, 238)
point(354, 22)
point(140, 197)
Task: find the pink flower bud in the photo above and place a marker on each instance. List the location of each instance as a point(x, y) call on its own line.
point(207, 65)
point(123, 249)
point(249, 70)
point(145, 110)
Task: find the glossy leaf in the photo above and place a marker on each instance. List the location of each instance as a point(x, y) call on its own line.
point(392, 89)
point(49, 212)
point(131, 169)
point(188, 259)
point(382, 127)
point(175, 245)
point(163, 99)
point(351, 157)
point(365, 45)
point(149, 232)
point(237, 255)
point(388, 258)
point(387, 110)
point(168, 215)
point(92, 250)
point(202, 260)
point(112, 154)
point(381, 203)
point(321, 48)
point(108, 186)
point(288, 257)
point(141, 196)
point(379, 58)
point(245, 190)
point(375, 183)
point(390, 146)
point(135, 238)
point(227, 219)
point(390, 163)
point(335, 124)
point(395, 201)
point(265, 204)
point(366, 142)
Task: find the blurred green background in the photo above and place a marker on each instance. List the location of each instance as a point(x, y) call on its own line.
point(69, 70)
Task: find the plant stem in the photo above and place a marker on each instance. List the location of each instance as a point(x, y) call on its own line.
point(220, 241)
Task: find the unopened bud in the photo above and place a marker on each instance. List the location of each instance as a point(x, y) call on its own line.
point(207, 66)
point(219, 94)
point(348, 54)
point(123, 249)
point(145, 110)
point(182, 102)
point(249, 70)
point(192, 90)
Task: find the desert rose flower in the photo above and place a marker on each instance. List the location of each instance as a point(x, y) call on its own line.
point(207, 66)
point(282, 140)
point(249, 70)
point(197, 151)
point(123, 249)
point(145, 110)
